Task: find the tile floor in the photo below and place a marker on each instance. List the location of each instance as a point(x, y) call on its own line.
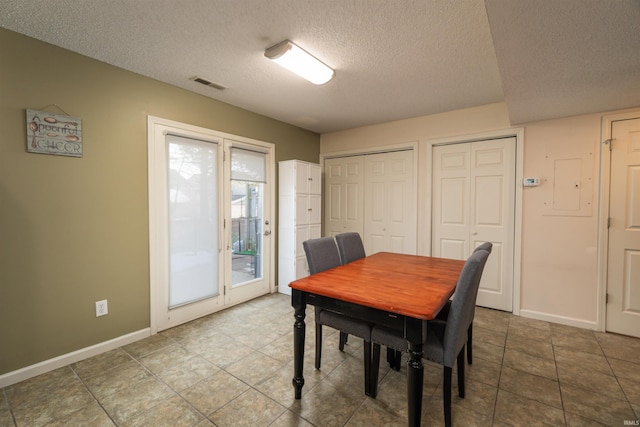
point(234, 368)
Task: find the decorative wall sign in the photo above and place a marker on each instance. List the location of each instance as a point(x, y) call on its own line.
point(49, 133)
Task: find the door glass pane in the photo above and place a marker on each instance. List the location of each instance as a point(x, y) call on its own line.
point(193, 220)
point(246, 231)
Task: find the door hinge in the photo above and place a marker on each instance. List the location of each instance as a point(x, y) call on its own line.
point(224, 290)
point(609, 222)
point(609, 142)
point(606, 298)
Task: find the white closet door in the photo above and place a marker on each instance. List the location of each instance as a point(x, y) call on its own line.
point(344, 191)
point(390, 203)
point(474, 202)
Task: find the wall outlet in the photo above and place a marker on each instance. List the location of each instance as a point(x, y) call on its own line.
point(101, 308)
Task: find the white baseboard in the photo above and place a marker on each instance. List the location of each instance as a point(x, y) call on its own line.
point(73, 357)
point(563, 320)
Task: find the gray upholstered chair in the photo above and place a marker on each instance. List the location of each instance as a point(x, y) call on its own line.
point(351, 249)
point(394, 358)
point(322, 254)
point(445, 340)
point(486, 246)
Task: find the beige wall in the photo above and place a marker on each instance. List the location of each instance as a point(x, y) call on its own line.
point(559, 253)
point(75, 230)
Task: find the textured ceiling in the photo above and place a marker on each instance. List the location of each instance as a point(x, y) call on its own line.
point(394, 59)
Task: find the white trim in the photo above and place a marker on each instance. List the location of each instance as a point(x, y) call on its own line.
point(518, 133)
point(563, 320)
point(603, 215)
point(409, 145)
point(69, 358)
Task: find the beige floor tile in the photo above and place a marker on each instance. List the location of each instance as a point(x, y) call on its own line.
point(619, 347)
point(280, 349)
point(517, 410)
point(290, 419)
point(595, 381)
point(483, 371)
point(177, 367)
point(228, 367)
point(117, 379)
point(531, 386)
point(577, 342)
point(534, 365)
point(588, 361)
point(98, 364)
point(327, 406)
point(124, 405)
point(530, 346)
point(494, 320)
point(214, 392)
point(595, 406)
point(41, 409)
point(251, 408)
point(90, 415)
point(173, 411)
point(372, 414)
point(489, 336)
point(525, 331)
point(148, 345)
point(628, 375)
point(255, 368)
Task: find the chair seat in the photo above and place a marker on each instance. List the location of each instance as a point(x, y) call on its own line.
point(347, 324)
point(432, 349)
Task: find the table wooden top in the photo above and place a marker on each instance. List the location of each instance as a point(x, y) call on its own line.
point(409, 285)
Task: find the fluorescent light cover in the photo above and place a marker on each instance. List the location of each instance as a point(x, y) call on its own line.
point(300, 62)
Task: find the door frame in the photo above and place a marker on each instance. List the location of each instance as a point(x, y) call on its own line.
point(206, 134)
point(603, 213)
point(425, 204)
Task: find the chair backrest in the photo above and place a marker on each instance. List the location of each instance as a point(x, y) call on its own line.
point(463, 306)
point(350, 247)
point(486, 246)
point(322, 254)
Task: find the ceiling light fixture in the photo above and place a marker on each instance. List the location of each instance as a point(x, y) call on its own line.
point(295, 59)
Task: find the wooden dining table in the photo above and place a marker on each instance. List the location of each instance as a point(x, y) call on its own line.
point(395, 290)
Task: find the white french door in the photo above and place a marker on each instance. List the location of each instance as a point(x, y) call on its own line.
point(248, 231)
point(209, 214)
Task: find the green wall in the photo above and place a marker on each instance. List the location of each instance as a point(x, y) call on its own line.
point(75, 230)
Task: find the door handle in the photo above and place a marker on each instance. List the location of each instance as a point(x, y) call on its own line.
point(267, 233)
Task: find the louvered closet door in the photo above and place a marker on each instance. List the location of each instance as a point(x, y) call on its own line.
point(473, 202)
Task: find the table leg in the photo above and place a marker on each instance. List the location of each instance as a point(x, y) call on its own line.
point(415, 377)
point(297, 301)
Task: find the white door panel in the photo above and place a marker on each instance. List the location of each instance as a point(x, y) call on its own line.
point(315, 209)
point(623, 266)
point(344, 180)
point(390, 203)
point(473, 193)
